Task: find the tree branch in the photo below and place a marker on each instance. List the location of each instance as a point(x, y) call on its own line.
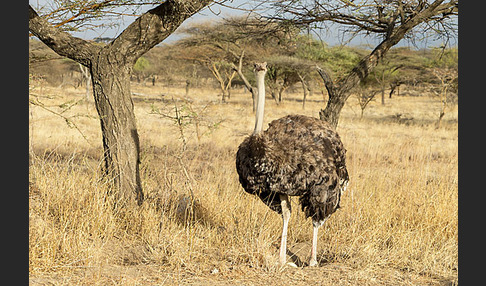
point(328, 83)
point(240, 72)
point(369, 62)
point(61, 42)
point(154, 26)
point(84, 10)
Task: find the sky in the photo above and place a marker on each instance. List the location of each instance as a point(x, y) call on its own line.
point(214, 12)
point(217, 12)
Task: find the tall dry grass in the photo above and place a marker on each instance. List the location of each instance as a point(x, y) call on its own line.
point(399, 213)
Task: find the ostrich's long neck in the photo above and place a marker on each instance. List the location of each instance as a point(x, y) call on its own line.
point(260, 75)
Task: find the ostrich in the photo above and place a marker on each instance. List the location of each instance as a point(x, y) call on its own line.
point(296, 156)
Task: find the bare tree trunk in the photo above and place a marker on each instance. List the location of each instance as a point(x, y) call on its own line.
point(188, 84)
point(221, 80)
point(338, 95)
point(394, 86)
point(223, 97)
point(248, 86)
point(333, 108)
point(272, 76)
point(441, 115)
point(280, 92)
point(310, 89)
point(228, 84)
point(110, 68)
point(273, 93)
point(87, 78)
point(305, 95)
point(382, 87)
point(111, 86)
point(305, 88)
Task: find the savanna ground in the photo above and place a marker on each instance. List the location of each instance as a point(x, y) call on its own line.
point(397, 224)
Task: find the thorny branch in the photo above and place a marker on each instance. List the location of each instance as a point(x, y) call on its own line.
point(34, 100)
point(370, 16)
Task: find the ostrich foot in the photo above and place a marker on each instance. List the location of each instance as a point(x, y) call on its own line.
point(286, 264)
point(291, 264)
point(313, 263)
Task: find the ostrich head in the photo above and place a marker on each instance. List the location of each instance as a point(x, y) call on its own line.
point(257, 67)
point(260, 70)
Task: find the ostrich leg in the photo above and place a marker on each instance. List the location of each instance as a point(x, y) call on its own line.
point(285, 203)
point(313, 258)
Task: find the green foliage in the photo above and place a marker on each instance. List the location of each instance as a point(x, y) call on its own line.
point(141, 64)
point(338, 59)
point(342, 59)
point(289, 55)
point(311, 49)
point(444, 58)
point(404, 65)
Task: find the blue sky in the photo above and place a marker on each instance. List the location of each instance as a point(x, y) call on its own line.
point(216, 12)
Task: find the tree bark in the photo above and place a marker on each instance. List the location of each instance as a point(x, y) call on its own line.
point(394, 85)
point(86, 76)
point(382, 87)
point(305, 89)
point(111, 85)
point(333, 108)
point(110, 67)
point(254, 91)
point(339, 94)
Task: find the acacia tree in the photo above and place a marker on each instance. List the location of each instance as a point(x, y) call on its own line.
point(209, 45)
point(384, 76)
point(444, 68)
point(365, 95)
point(110, 67)
point(236, 41)
point(390, 21)
point(448, 81)
point(224, 74)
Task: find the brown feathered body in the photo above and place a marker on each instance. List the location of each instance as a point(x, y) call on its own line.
point(299, 156)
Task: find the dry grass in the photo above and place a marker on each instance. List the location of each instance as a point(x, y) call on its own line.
point(397, 225)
